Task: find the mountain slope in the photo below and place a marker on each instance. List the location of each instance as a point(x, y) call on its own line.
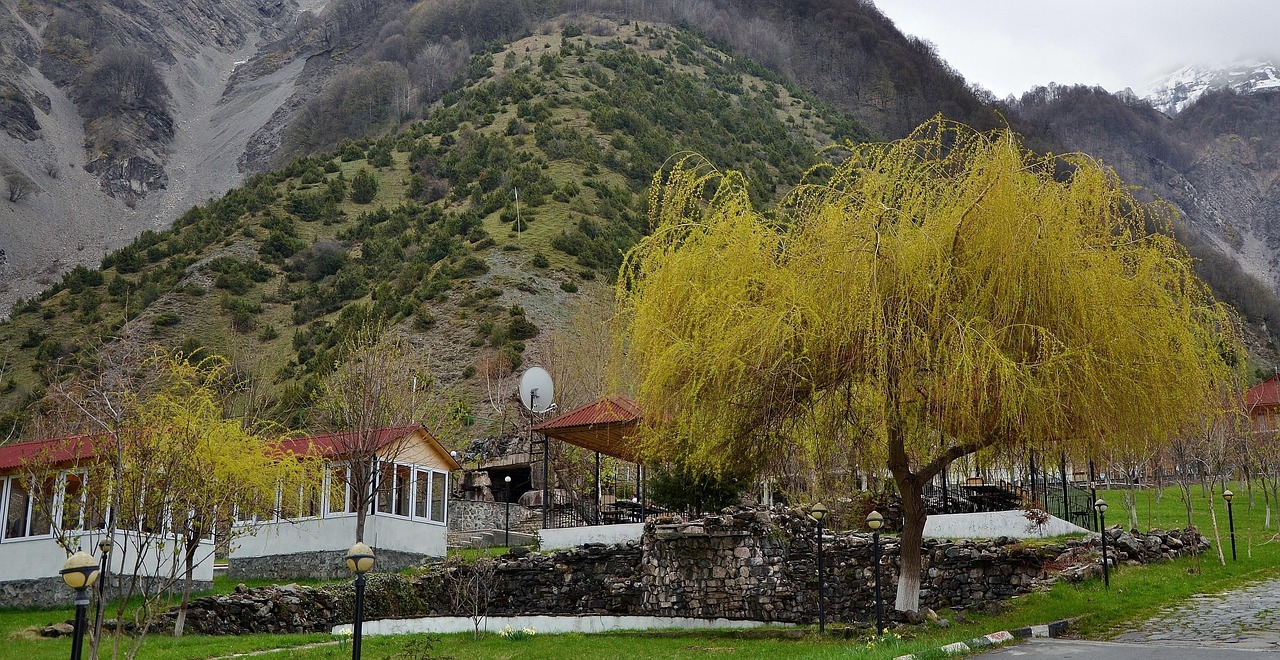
point(243, 86)
point(422, 229)
point(1182, 88)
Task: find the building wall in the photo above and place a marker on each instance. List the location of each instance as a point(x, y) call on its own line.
point(41, 557)
point(383, 533)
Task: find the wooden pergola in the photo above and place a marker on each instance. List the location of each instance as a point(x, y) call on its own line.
point(608, 426)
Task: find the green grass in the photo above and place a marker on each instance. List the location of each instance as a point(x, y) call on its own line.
point(1136, 593)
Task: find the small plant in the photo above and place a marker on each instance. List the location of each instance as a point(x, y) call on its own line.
point(1036, 519)
point(512, 635)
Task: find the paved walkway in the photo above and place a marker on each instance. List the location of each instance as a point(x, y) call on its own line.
point(1247, 618)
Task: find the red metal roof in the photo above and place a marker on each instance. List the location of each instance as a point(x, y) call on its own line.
point(611, 409)
point(55, 451)
point(1265, 394)
point(607, 425)
point(81, 447)
point(340, 442)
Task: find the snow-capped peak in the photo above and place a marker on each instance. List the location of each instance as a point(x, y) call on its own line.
point(1173, 93)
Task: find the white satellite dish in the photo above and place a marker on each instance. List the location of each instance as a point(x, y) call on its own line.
point(537, 393)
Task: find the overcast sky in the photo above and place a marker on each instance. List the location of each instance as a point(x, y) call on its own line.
point(1010, 46)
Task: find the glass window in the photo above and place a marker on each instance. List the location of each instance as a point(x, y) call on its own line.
point(402, 490)
point(15, 522)
point(421, 498)
point(438, 484)
point(386, 486)
point(73, 496)
point(338, 490)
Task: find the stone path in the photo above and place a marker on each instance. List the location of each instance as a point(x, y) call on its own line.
point(1247, 618)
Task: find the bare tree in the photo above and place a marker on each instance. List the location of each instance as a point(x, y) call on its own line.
point(18, 185)
point(379, 383)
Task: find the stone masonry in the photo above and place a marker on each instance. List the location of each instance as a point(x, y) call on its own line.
point(740, 564)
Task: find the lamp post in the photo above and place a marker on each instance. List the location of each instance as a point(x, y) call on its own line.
point(359, 561)
point(875, 521)
point(80, 572)
point(104, 549)
point(506, 495)
point(818, 513)
point(1227, 495)
point(1101, 507)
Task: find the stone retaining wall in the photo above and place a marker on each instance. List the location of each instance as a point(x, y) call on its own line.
point(467, 515)
point(316, 565)
point(743, 564)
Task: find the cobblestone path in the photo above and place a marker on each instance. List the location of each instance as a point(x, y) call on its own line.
point(1247, 618)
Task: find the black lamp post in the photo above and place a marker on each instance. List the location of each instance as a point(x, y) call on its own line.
point(818, 513)
point(875, 521)
point(104, 549)
point(80, 572)
point(506, 495)
point(359, 561)
point(1227, 495)
point(1101, 507)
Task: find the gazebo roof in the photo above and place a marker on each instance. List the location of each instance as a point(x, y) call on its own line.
point(1265, 394)
point(607, 425)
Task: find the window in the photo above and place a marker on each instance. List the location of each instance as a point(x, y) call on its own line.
point(421, 496)
point(19, 505)
point(393, 489)
point(438, 483)
point(338, 491)
point(26, 515)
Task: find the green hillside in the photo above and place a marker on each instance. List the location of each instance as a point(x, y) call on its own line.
point(421, 228)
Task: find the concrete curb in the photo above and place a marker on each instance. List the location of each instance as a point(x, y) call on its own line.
point(1054, 629)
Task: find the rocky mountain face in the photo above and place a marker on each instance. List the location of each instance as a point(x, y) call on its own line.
point(116, 116)
point(1177, 91)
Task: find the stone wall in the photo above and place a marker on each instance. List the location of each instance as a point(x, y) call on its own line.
point(315, 565)
point(467, 515)
point(741, 564)
point(53, 592)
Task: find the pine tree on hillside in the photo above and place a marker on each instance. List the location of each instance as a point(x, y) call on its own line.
point(363, 187)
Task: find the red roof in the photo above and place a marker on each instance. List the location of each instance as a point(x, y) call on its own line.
point(607, 425)
point(81, 447)
point(611, 409)
point(67, 449)
point(1266, 393)
point(340, 442)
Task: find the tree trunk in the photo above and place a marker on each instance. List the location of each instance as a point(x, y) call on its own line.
point(909, 552)
point(188, 557)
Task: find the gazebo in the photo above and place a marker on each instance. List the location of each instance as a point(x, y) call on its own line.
point(607, 426)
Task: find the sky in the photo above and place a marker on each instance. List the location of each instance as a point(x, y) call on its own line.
point(1010, 46)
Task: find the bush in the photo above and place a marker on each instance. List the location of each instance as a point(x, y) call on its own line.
point(363, 187)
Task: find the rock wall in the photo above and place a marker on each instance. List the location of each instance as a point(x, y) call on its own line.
point(466, 515)
point(315, 565)
point(742, 564)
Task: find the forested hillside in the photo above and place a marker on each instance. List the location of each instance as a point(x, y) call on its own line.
point(478, 232)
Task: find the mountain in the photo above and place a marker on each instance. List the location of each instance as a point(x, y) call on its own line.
point(422, 229)
point(1173, 93)
point(1217, 162)
point(117, 116)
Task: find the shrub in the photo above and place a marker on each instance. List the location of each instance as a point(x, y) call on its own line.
point(363, 187)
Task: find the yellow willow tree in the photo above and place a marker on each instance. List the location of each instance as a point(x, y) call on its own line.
point(921, 301)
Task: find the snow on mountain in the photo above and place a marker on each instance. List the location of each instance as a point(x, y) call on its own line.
point(1174, 92)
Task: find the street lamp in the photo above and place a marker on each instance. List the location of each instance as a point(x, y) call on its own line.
point(80, 572)
point(875, 521)
point(506, 492)
point(1227, 495)
point(818, 513)
point(359, 561)
point(1101, 507)
point(104, 549)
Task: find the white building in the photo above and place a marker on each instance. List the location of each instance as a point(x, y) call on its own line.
point(43, 525)
point(307, 535)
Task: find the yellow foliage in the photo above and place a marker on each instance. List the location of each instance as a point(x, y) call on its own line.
point(932, 296)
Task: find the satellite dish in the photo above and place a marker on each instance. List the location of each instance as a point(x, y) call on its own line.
point(536, 390)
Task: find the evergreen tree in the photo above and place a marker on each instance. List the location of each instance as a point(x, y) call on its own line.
point(363, 187)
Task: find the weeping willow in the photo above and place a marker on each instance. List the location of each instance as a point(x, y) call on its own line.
point(917, 302)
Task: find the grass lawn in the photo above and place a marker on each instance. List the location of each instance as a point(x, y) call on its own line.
point(1136, 592)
